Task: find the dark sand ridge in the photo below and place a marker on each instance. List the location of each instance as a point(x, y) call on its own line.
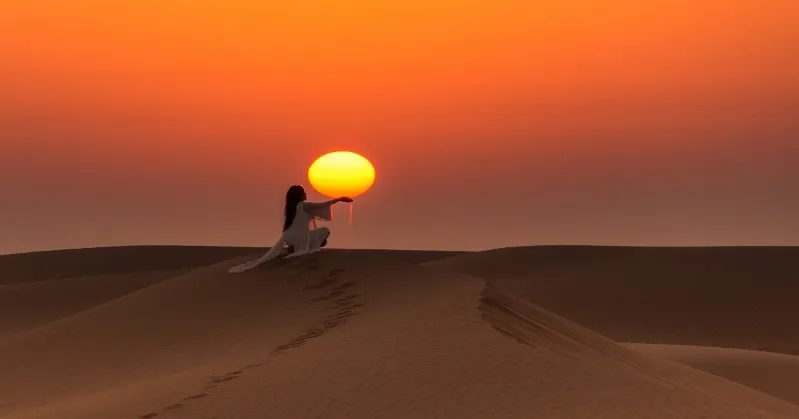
point(366, 333)
point(740, 297)
point(38, 266)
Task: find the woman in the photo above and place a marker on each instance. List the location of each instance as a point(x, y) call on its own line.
point(300, 233)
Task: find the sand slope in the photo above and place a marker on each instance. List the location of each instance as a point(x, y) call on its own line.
point(775, 374)
point(39, 266)
point(71, 263)
point(725, 297)
point(344, 334)
point(31, 304)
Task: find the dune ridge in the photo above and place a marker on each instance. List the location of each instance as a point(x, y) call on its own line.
point(55, 264)
point(31, 304)
point(734, 297)
point(534, 326)
point(772, 373)
point(347, 334)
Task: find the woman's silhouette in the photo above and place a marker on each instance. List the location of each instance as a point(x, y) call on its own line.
point(300, 234)
point(300, 222)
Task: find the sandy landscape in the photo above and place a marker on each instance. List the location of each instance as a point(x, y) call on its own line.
point(544, 332)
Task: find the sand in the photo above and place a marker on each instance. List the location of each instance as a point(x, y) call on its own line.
point(28, 305)
point(735, 297)
point(774, 374)
point(361, 334)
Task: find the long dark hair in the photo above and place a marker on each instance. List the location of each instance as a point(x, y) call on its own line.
point(294, 196)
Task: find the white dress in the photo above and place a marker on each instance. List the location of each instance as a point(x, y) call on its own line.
point(302, 234)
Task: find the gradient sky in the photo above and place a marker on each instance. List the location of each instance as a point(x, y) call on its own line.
point(490, 123)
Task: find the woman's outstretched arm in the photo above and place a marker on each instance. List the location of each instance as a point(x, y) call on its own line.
point(337, 200)
point(307, 204)
point(323, 209)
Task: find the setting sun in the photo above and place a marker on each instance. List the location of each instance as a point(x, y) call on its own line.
point(341, 173)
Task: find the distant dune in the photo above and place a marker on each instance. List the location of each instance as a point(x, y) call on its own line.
point(735, 297)
point(775, 374)
point(165, 332)
point(38, 266)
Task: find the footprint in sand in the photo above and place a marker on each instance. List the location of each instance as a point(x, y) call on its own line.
point(332, 276)
point(346, 306)
point(223, 378)
point(344, 285)
point(320, 299)
point(319, 285)
point(196, 397)
point(312, 333)
point(255, 365)
point(341, 315)
point(333, 323)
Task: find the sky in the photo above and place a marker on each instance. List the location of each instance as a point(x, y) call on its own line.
point(490, 123)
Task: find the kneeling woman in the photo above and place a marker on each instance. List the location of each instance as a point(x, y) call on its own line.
point(300, 233)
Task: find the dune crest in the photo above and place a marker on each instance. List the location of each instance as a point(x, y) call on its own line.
point(345, 334)
point(733, 297)
point(772, 373)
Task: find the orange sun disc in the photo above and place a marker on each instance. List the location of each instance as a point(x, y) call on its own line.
point(341, 173)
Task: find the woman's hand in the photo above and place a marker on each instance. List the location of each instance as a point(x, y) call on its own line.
point(345, 199)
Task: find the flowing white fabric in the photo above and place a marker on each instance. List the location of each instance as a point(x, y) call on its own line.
point(302, 234)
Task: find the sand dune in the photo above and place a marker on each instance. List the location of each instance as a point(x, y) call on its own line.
point(352, 334)
point(39, 266)
point(31, 304)
point(187, 321)
point(725, 297)
point(775, 374)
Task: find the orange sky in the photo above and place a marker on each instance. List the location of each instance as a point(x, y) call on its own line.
point(490, 123)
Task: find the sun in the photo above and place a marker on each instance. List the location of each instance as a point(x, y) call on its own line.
point(341, 173)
